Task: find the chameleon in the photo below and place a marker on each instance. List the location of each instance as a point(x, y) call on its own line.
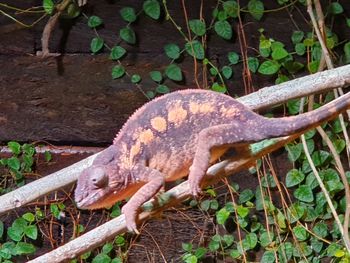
point(180, 134)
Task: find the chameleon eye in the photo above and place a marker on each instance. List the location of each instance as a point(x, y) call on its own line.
point(99, 178)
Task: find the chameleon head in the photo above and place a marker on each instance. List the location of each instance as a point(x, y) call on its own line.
point(95, 188)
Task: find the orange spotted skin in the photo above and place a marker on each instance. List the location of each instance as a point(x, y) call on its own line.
point(178, 134)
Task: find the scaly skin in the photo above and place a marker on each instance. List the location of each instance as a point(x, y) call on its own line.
point(176, 134)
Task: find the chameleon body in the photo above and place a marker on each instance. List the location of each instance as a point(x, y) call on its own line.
point(178, 134)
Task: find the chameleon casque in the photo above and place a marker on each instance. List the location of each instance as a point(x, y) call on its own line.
point(178, 134)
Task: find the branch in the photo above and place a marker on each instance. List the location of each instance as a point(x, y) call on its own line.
point(109, 230)
point(263, 98)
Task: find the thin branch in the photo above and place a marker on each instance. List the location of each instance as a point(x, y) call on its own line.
point(263, 98)
point(49, 27)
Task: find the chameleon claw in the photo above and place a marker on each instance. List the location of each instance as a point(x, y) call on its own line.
point(130, 220)
point(131, 226)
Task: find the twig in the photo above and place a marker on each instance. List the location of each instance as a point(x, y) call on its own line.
point(49, 27)
point(320, 35)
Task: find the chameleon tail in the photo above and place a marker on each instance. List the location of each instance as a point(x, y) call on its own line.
point(278, 127)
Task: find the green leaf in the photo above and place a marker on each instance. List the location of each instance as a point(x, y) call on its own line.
point(28, 149)
point(295, 212)
point(235, 254)
point(293, 106)
point(189, 258)
point(285, 251)
point(281, 78)
point(29, 217)
point(227, 72)
point(300, 49)
point(118, 71)
point(231, 8)
point(336, 126)
point(200, 252)
point(150, 94)
point(223, 29)
point(117, 52)
point(300, 233)
point(73, 10)
point(253, 64)
point(156, 76)
point(250, 241)
point(281, 220)
point(23, 248)
point(218, 88)
point(128, 14)
point(48, 6)
point(214, 245)
point(15, 233)
point(242, 211)
point(120, 241)
point(304, 193)
point(332, 249)
point(347, 52)
point(268, 257)
point(228, 239)
point(269, 67)
point(101, 258)
point(256, 9)
point(233, 57)
point(335, 8)
point(96, 44)
point(205, 205)
point(264, 43)
point(136, 78)
point(246, 195)
point(320, 229)
point(94, 21)
point(266, 238)
point(108, 247)
point(152, 9)
point(14, 163)
point(213, 71)
point(173, 72)
point(320, 157)
point(1, 228)
point(47, 156)
point(222, 215)
point(172, 51)
point(195, 49)
point(214, 204)
point(294, 177)
point(128, 35)
point(55, 210)
point(339, 145)
point(279, 53)
point(15, 147)
point(293, 66)
point(31, 232)
point(187, 247)
point(116, 211)
point(162, 89)
point(197, 26)
point(297, 36)
point(313, 66)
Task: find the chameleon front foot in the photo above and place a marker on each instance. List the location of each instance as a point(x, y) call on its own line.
point(130, 219)
point(194, 181)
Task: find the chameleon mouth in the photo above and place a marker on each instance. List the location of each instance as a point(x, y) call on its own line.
point(89, 202)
